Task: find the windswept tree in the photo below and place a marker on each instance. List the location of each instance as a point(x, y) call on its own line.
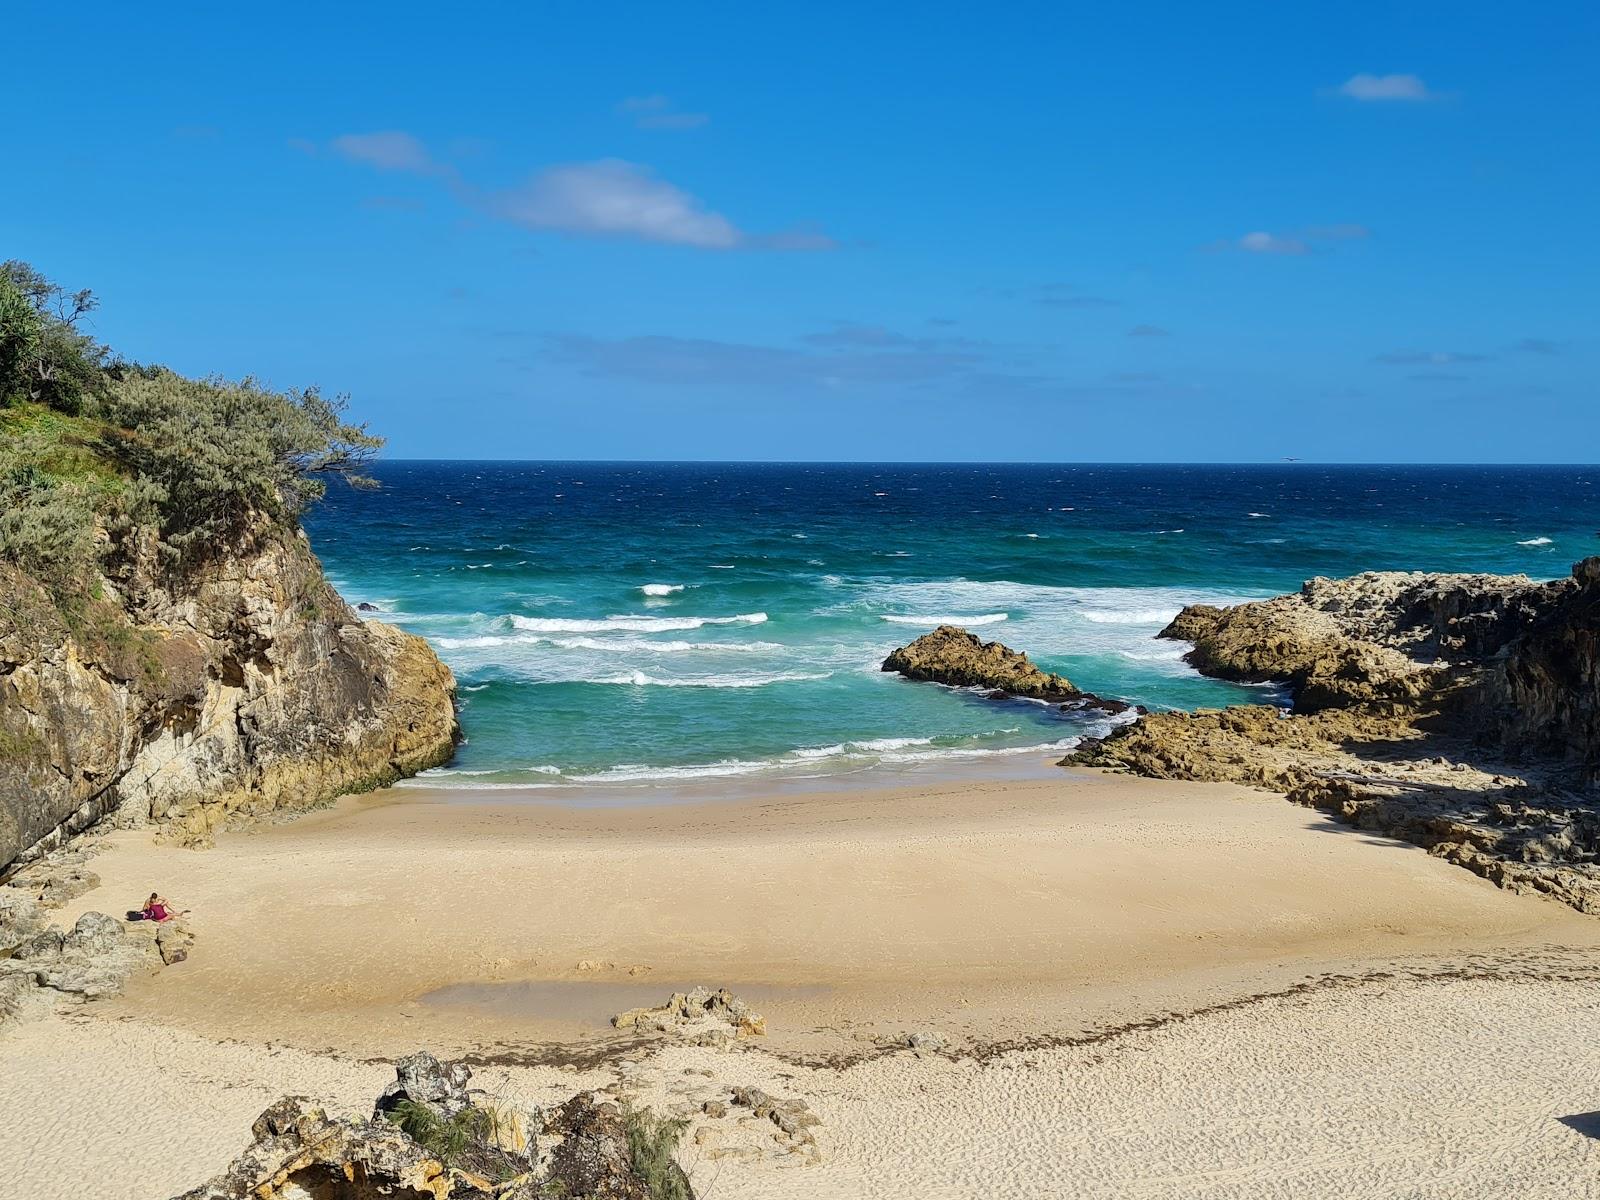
point(45, 355)
point(210, 456)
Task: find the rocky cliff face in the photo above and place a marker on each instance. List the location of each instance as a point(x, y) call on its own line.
point(1461, 712)
point(239, 687)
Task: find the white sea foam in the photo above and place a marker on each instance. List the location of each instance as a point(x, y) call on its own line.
point(981, 619)
point(642, 679)
point(1129, 616)
point(629, 624)
point(661, 589)
point(609, 645)
point(1538, 541)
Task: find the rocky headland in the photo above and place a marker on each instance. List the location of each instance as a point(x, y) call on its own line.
point(243, 687)
point(1459, 712)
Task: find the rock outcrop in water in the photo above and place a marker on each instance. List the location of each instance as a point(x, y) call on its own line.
point(1460, 712)
point(242, 686)
point(956, 658)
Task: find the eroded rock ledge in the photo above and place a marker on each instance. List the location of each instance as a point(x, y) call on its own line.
point(242, 687)
point(956, 658)
point(1459, 712)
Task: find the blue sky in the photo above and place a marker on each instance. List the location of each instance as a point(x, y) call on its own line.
point(1222, 232)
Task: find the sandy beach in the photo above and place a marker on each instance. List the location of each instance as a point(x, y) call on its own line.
point(1148, 989)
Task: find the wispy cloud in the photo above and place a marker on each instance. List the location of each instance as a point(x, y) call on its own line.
point(1533, 345)
point(1385, 88)
point(605, 198)
point(1429, 358)
point(1149, 331)
point(612, 198)
point(389, 150)
point(658, 112)
point(1293, 242)
point(1262, 242)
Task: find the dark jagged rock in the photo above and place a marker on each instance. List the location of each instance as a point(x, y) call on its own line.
point(956, 658)
point(423, 1079)
point(594, 1157)
point(1460, 712)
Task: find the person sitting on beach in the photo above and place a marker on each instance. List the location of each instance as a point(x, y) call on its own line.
point(157, 908)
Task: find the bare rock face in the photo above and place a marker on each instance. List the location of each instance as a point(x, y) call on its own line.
point(1379, 637)
point(237, 688)
point(960, 659)
point(701, 1015)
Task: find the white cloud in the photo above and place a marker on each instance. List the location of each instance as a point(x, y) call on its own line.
point(1261, 242)
point(605, 198)
point(1385, 88)
point(391, 150)
point(612, 198)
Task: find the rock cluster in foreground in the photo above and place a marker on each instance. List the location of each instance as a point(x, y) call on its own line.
point(1460, 712)
point(431, 1136)
point(956, 658)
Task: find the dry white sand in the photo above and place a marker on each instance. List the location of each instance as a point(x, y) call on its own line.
point(994, 913)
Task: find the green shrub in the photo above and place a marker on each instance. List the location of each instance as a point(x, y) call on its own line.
point(46, 520)
point(465, 1139)
point(87, 442)
point(652, 1141)
point(209, 456)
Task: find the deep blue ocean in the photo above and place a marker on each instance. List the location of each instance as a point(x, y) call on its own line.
point(633, 624)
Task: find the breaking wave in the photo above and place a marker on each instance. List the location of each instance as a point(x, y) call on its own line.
point(629, 624)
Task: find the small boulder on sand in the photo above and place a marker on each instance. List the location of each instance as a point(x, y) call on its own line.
point(701, 1014)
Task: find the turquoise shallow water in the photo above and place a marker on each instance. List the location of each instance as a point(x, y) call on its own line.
point(639, 624)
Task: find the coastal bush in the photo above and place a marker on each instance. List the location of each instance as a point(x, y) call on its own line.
point(90, 442)
point(652, 1142)
point(208, 456)
point(46, 512)
point(465, 1139)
